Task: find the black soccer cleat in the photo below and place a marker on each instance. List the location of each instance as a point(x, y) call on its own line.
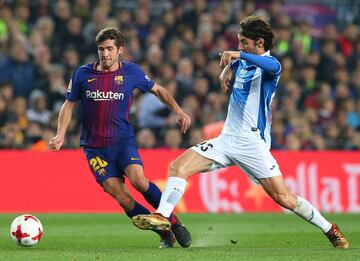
point(167, 239)
point(182, 235)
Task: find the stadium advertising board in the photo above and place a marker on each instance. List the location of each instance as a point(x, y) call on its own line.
point(62, 182)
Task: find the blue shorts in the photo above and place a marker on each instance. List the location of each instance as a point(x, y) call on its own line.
point(112, 161)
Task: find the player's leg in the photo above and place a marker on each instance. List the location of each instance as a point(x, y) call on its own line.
point(117, 189)
point(152, 195)
point(130, 162)
point(102, 162)
point(202, 157)
point(187, 164)
point(254, 157)
point(276, 188)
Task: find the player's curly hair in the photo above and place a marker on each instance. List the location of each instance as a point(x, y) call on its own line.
point(254, 27)
point(110, 33)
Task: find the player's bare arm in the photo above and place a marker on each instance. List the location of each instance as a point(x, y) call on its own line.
point(225, 78)
point(63, 123)
point(227, 56)
point(183, 119)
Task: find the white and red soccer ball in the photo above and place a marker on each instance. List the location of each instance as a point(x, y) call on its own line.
point(26, 230)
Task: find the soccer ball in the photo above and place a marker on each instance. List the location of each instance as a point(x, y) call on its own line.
point(26, 230)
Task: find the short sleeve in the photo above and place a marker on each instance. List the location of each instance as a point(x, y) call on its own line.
point(73, 92)
point(142, 81)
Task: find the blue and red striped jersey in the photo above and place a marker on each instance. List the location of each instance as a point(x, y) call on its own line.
point(106, 98)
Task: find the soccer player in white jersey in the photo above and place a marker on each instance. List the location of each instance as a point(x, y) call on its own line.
point(245, 138)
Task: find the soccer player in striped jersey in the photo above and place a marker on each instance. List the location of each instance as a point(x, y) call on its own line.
point(105, 90)
point(245, 139)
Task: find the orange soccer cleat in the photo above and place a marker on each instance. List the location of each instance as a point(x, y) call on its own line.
point(337, 238)
point(152, 221)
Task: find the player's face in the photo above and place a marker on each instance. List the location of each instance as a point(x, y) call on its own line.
point(109, 55)
point(250, 46)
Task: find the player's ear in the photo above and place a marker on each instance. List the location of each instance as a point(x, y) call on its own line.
point(121, 50)
point(260, 42)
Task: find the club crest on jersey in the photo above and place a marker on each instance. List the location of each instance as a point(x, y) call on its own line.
point(118, 79)
point(101, 172)
point(243, 72)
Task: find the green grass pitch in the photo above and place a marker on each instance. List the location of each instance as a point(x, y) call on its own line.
point(215, 237)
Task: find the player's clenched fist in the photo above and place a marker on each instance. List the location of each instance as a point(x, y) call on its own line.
point(56, 142)
point(227, 56)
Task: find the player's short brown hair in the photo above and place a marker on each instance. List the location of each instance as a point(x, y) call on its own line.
point(110, 33)
point(254, 27)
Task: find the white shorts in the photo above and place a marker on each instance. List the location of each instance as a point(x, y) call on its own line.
point(250, 153)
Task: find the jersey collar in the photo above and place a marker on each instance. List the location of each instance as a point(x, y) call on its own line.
point(267, 53)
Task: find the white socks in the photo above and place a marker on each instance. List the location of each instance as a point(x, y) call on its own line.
point(305, 210)
point(174, 190)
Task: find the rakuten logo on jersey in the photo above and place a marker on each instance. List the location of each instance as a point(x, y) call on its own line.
point(104, 96)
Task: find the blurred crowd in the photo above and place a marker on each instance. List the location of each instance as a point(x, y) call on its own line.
point(317, 105)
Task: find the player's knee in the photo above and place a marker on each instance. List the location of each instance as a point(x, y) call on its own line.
point(141, 184)
point(138, 181)
point(177, 170)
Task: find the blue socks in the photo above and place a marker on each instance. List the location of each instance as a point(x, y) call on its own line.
point(152, 195)
point(137, 210)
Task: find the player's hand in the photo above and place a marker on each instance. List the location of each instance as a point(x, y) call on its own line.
point(183, 120)
point(227, 56)
point(225, 78)
point(56, 142)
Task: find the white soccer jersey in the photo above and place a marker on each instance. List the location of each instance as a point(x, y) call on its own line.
point(249, 106)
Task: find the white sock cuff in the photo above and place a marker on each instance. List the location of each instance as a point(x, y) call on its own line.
point(178, 181)
point(311, 214)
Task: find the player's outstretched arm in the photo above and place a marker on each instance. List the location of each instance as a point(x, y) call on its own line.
point(264, 62)
point(182, 118)
point(63, 122)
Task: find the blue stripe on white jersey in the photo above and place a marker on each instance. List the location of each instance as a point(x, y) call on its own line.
point(251, 97)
